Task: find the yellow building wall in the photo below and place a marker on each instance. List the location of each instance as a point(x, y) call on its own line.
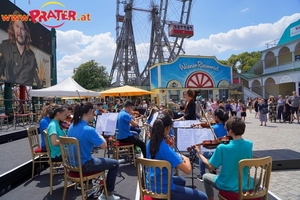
point(286, 88)
point(285, 58)
point(272, 90)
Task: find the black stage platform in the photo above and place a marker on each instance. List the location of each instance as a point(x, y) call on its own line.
point(282, 158)
point(15, 174)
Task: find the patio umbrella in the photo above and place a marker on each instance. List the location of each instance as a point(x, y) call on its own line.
point(125, 91)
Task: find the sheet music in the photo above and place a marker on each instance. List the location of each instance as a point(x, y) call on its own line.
point(154, 118)
point(107, 123)
point(185, 123)
point(100, 124)
point(191, 136)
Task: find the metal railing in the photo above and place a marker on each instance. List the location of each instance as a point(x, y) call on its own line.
point(283, 67)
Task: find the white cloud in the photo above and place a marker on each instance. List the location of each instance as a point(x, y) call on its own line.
point(245, 10)
point(241, 39)
point(75, 48)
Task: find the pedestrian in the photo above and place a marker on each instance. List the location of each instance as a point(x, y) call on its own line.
point(263, 111)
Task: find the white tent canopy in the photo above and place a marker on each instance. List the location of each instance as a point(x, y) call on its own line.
point(67, 88)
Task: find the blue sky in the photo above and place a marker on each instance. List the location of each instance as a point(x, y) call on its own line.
point(222, 28)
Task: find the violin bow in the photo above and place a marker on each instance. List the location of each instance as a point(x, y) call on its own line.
point(212, 130)
point(78, 95)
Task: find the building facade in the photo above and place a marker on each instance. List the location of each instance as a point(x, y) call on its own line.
point(203, 74)
point(278, 71)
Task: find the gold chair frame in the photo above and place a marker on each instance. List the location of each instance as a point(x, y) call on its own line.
point(70, 152)
point(34, 143)
point(54, 167)
point(143, 166)
point(262, 173)
point(118, 150)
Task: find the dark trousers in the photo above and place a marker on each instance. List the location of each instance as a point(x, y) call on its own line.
point(280, 113)
point(101, 164)
point(233, 113)
point(137, 142)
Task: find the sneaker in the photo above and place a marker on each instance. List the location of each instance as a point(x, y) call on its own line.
point(92, 191)
point(137, 150)
point(110, 197)
point(199, 177)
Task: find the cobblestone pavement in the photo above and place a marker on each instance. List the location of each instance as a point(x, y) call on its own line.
point(284, 183)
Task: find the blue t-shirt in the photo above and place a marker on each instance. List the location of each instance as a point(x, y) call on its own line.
point(149, 120)
point(87, 137)
point(227, 107)
point(54, 129)
point(45, 121)
point(165, 152)
point(123, 125)
point(98, 112)
point(219, 130)
point(235, 151)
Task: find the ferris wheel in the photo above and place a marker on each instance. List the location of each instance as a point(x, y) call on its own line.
point(148, 32)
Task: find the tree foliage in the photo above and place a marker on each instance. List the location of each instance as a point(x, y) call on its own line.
point(91, 75)
point(242, 62)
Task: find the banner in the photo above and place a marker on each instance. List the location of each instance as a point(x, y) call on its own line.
point(20, 61)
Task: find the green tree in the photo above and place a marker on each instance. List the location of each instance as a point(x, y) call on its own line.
point(91, 75)
point(242, 62)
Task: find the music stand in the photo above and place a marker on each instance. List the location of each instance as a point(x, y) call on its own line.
point(105, 129)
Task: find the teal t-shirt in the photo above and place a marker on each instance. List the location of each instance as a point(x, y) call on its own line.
point(54, 129)
point(228, 156)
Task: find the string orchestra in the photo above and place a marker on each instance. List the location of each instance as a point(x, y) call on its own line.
point(162, 143)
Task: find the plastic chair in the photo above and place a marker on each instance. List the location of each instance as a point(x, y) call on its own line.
point(143, 167)
point(55, 167)
point(70, 151)
point(262, 173)
point(35, 147)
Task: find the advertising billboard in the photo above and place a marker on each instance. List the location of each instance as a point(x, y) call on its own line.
point(25, 49)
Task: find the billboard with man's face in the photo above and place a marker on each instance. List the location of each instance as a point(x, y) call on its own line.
point(25, 49)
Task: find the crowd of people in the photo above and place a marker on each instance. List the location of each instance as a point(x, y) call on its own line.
point(281, 109)
point(228, 120)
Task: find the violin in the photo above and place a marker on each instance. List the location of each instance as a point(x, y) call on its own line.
point(64, 124)
point(136, 113)
point(170, 140)
point(212, 144)
point(204, 124)
point(69, 119)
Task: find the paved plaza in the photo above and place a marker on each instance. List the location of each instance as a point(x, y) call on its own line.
point(284, 183)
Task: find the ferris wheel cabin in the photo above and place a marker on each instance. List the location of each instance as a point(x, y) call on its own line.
point(120, 18)
point(181, 30)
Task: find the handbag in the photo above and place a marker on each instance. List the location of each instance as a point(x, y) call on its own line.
point(264, 110)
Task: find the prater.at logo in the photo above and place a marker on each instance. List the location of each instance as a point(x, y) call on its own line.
point(57, 17)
